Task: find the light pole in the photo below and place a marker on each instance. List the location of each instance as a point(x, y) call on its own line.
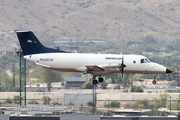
point(178, 76)
point(108, 104)
point(47, 99)
point(81, 108)
point(34, 99)
point(167, 92)
point(93, 99)
point(53, 99)
point(170, 105)
point(178, 104)
point(64, 99)
point(17, 102)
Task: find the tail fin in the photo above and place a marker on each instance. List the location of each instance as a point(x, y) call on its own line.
point(31, 45)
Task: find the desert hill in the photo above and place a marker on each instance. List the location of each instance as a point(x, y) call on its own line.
point(127, 19)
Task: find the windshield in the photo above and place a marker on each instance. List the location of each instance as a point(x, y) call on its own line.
point(147, 60)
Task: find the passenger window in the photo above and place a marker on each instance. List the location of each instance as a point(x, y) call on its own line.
point(134, 62)
point(142, 60)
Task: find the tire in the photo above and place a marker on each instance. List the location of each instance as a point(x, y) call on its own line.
point(101, 79)
point(95, 82)
point(154, 82)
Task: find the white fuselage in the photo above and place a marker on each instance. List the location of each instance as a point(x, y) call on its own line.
point(77, 62)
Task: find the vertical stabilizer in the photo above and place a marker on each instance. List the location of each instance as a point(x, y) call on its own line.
point(31, 45)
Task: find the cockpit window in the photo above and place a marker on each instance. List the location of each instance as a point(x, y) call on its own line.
point(147, 60)
point(142, 61)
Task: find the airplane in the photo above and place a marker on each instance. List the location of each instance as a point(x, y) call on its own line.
point(87, 63)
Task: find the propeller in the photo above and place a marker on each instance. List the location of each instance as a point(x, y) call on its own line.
point(122, 65)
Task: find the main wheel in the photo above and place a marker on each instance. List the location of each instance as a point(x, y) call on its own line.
point(101, 79)
point(154, 82)
point(95, 82)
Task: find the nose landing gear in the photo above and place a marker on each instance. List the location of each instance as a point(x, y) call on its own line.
point(154, 80)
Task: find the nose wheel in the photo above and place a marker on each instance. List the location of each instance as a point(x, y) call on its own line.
point(154, 81)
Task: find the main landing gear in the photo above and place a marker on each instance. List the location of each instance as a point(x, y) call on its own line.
point(95, 81)
point(100, 79)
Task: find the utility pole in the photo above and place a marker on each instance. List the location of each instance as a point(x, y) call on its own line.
point(178, 105)
point(22, 77)
point(81, 108)
point(178, 76)
point(93, 99)
point(170, 105)
point(108, 104)
point(13, 73)
point(0, 82)
point(64, 99)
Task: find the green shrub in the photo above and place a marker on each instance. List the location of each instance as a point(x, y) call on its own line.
point(32, 102)
point(115, 104)
point(90, 103)
point(8, 100)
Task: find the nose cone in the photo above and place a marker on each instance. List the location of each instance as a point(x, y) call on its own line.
point(168, 71)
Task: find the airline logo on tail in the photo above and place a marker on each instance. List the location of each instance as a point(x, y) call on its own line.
point(29, 41)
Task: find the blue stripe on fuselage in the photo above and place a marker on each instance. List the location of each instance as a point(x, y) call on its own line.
point(113, 58)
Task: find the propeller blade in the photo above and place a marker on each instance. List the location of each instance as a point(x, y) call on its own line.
point(122, 65)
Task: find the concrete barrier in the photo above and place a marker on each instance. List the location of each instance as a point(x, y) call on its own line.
point(86, 117)
point(79, 117)
point(4, 117)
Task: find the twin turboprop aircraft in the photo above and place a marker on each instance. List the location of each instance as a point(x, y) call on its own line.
point(95, 64)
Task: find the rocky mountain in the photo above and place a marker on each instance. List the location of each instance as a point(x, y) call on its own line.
point(110, 19)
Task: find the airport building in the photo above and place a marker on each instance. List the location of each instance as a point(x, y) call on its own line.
point(75, 45)
point(160, 83)
point(75, 81)
point(42, 87)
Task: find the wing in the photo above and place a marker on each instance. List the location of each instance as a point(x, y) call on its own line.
point(94, 68)
point(103, 69)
